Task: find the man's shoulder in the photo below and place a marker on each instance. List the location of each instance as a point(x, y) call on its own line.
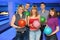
point(39, 11)
point(47, 10)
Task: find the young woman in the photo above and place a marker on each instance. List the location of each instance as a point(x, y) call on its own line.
point(52, 22)
point(14, 23)
point(34, 6)
point(34, 33)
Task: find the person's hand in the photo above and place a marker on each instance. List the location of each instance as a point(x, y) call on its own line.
point(21, 27)
point(46, 25)
point(18, 27)
point(50, 34)
point(30, 25)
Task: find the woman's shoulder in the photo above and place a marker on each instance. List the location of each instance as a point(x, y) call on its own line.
point(14, 15)
point(56, 18)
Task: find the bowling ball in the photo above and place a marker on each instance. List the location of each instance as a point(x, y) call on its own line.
point(21, 23)
point(42, 19)
point(27, 13)
point(36, 24)
point(47, 30)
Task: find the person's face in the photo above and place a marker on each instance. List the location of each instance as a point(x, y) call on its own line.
point(27, 6)
point(51, 13)
point(20, 9)
point(33, 11)
point(58, 14)
point(42, 6)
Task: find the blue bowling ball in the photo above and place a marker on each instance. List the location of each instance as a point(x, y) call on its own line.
point(47, 30)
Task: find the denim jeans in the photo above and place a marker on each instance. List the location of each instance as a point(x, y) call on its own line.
point(19, 36)
point(34, 35)
point(22, 36)
point(52, 37)
point(42, 29)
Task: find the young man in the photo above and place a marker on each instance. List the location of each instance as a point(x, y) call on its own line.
point(27, 6)
point(43, 12)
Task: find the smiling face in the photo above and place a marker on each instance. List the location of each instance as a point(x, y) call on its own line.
point(42, 6)
point(27, 6)
point(34, 11)
point(20, 9)
point(52, 12)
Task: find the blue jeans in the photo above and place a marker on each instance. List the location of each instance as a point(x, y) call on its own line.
point(19, 36)
point(22, 36)
point(34, 35)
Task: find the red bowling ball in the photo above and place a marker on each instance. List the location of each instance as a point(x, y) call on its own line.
point(21, 23)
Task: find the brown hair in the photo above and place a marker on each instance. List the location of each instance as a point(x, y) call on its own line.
point(34, 6)
point(28, 3)
point(31, 14)
point(55, 14)
point(42, 3)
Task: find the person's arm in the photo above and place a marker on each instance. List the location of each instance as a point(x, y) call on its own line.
point(57, 29)
point(28, 21)
point(13, 21)
point(39, 17)
point(39, 20)
point(46, 22)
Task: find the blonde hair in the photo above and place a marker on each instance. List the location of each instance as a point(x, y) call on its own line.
point(18, 8)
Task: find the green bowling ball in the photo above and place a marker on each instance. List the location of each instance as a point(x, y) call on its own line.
point(27, 13)
point(42, 19)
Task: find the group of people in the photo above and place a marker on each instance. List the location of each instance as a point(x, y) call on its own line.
point(29, 32)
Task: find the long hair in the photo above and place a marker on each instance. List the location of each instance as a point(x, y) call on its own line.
point(35, 8)
point(55, 14)
point(18, 8)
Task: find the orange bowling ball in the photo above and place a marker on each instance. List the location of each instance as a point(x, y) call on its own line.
point(21, 23)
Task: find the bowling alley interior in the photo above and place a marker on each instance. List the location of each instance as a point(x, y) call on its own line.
point(16, 26)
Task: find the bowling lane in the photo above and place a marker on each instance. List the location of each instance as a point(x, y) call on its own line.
point(4, 18)
point(4, 27)
point(8, 34)
point(4, 22)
